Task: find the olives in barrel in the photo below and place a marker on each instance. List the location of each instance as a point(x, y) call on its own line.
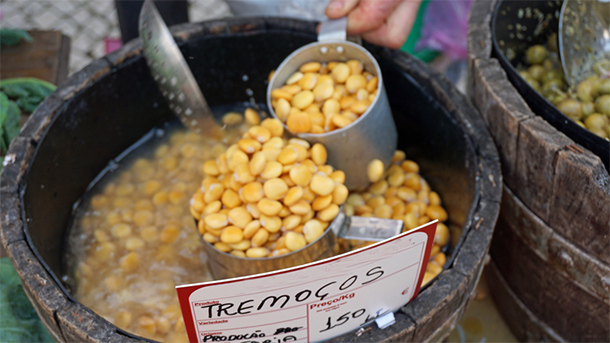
point(595, 121)
point(587, 103)
point(587, 108)
point(602, 104)
point(571, 107)
point(604, 86)
point(536, 71)
point(586, 90)
point(535, 54)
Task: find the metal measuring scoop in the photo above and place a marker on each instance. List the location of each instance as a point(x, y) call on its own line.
point(584, 37)
point(173, 75)
point(373, 135)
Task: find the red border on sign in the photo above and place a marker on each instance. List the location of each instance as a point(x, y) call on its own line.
point(184, 292)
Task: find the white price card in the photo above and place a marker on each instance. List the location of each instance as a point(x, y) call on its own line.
point(312, 302)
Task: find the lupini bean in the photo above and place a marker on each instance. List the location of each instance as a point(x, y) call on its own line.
point(232, 235)
point(257, 252)
point(295, 241)
point(375, 170)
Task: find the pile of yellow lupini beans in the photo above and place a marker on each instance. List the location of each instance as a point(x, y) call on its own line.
point(135, 240)
point(320, 97)
point(267, 196)
point(400, 193)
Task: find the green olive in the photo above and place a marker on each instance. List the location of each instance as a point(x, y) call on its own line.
point(551, 74)
point(586, 91)
point(532, 82)
point(552, 85)
point(587, 108)
point(604, 86)
point(555, 97)
point(602, 104)
point(524, 73)
point(594, 79)
point(581, 124)
point(535, 54)
point(536, 71)
point(600, 132)
point(595, 121)
point(548, 64)
point(551, 42)
point(571, 108)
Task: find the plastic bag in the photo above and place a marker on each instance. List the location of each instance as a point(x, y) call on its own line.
point(445, 27)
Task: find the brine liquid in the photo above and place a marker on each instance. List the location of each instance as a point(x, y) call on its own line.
point(133, 239)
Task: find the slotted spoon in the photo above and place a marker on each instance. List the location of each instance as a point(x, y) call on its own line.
point(584, 38)
point(173, 75)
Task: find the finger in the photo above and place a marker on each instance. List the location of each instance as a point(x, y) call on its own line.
point(394, 32)
point(370, 15)
point(340, 8)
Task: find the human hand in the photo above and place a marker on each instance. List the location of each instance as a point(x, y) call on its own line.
point(382, 22)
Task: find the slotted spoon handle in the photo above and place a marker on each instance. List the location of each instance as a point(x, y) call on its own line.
point(173, 75)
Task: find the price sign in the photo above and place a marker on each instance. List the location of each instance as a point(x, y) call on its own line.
point(313, 302)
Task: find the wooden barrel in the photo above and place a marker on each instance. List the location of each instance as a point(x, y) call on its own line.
point(105, 108)
point(551, 251)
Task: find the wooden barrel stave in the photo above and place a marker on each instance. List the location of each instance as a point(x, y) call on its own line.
point(522, 322)
point(10, 218)
point(581, 199)
point(478, 32)
point(504, 128)
point(38, 286)
point(445, 329)
point(78, 327)
point(393, 333)
point(583, 269)
point(450, 288)
point(464, 263)
point(543, 285)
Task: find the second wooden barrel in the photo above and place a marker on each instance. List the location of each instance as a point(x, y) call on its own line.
point(550, 270)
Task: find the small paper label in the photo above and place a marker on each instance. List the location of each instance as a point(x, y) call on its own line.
point(313, 302)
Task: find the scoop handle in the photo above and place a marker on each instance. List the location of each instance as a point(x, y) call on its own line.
point(336, 30)
point(333, 30)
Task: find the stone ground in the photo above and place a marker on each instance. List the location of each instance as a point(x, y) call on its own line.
point(87, 22)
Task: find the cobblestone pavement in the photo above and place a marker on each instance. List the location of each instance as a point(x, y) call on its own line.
point(87, 22)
